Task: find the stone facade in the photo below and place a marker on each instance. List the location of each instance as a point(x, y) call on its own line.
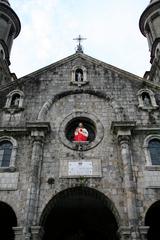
point(49, 174)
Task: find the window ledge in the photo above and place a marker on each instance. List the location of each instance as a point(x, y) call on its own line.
point(13, 110)
point(79, 84)
point(81, 142)
point(149, 108)
point(7, 169)
point(153, 168)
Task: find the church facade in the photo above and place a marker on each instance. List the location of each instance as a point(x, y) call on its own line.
point(80, 145)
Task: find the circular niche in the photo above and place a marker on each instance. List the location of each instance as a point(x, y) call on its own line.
point(87, 124)
point(90, 122)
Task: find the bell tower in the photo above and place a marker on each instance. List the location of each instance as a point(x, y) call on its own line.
point(150, 27)
point(9, 29)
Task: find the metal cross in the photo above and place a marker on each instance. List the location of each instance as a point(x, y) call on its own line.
point(79, 46)
point(79, 39)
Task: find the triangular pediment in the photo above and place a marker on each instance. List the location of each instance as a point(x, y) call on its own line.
point(84, 60)
point(88, 59)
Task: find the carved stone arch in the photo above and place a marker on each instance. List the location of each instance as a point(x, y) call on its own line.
point(77, 205)
point(10, 96)
point(13, 153)
point(153, 104)
point(47, 105)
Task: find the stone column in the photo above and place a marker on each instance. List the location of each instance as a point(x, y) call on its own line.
point(129, 185)
point(38, 131)
point(143, 232)
point(34, 180)
point(18, 233)
point(124, 233)
point(37, 232)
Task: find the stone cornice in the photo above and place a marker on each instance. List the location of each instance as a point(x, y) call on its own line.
point(122, 125)
point(29, 127)
point(131, 125)
point(38, 126)
point(17, 130)
point(143, 128)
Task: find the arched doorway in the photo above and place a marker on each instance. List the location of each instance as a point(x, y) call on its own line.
point(152, 220)
point(7, 221)
point(80, 213)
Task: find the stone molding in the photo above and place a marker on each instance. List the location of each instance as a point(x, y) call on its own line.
point(37, 232)
point(124, 232)
point(18, 232)
point(38, 126)
point(48, 104)
point(143, 232)
point(29, 127)
point(123, 126)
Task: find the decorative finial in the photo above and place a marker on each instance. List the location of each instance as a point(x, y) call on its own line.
point(79, 46)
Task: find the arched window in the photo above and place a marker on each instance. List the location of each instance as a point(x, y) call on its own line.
point(5, 153)
point(8, 152)
point(154, 150)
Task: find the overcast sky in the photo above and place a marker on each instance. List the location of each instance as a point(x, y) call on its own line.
point(49, 26)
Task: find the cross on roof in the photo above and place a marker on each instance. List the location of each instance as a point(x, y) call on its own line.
point(79, 46)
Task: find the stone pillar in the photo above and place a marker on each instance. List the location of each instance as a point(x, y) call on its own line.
point(18, 233)
point(129, 185)
point(124, 233)
point(38, 131)
point(143, 232)
point(37, 232)
point(34, 180)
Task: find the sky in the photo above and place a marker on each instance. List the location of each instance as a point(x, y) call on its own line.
point(49, 26)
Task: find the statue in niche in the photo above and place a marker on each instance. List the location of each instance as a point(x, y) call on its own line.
point(81, 133)
point(15, 101)
point(146, 99)
point(79, 75)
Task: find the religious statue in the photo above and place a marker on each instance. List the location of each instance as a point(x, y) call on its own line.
point(79, 77)
point(15, 101)
point(81, 133)
point(146, 100)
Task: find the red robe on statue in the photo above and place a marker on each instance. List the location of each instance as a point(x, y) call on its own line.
point(80, 134)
